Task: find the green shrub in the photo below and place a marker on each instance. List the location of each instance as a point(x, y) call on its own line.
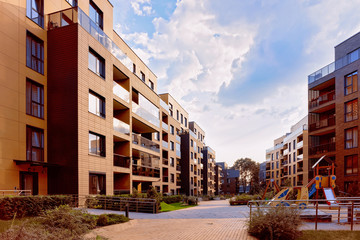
point(102, 220)
point(30, 206)
point(275, 223)
point(191, 200)
point(172, 199)
point(110, 219)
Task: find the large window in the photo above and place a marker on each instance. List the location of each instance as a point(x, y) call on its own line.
point(34, 99)
point(96, 14)
point(172, 129)
point(72, 2)
point(351, 164)
point(96, 144)
point(351, 83)
point(34, 53)
point(142, 76)
point(97, 184)
point(172, 147)
point(34, 144)
point(35, 11)
point(351, 138)
point(351, 110)
point(96, 63)
point(96, 104)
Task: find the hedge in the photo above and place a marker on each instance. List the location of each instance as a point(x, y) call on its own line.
point(30, 206)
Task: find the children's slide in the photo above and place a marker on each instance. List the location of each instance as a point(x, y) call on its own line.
point(280, 196)
point(330, 196)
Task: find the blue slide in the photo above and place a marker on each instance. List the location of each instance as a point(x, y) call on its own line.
point(312, 190)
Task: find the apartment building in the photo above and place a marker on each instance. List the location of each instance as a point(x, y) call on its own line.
point(208, 171)
point(218, 179)
point(333, 113)
point(230, 179)
point(287, 160)
point(80, 113)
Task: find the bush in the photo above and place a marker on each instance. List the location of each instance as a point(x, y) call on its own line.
point(30, 206)
point(172, 199)
point(275, 223)
point(102, 220)
point(110, 219)
point(191, 200)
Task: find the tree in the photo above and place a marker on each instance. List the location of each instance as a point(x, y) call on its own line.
point(249, 173)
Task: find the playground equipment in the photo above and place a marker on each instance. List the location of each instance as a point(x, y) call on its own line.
point(326, 183)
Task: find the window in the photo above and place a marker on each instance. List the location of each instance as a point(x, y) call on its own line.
point(289, 146)
point(171, 109)
point(172, 129)
point(151, 84)
point(192, 180)
point(96, 104)
point(172, 179)
point(34, 99)
point(289, 158)
point(294, 169)
point(97, 184)
point(157, 136)
point(96, 14)
point(35, 11)
point(351, 164)
point(191, 143)
point(96, 63)
point(34, 53)
point(172, 161)
point(294, 156)
point(72, 2)
point(351, 110)
point(277, 164)
point(277, 155)
point(172, 146)
point(34, 144)
point(351, 138)
point(272, 166)
point(142, 76)
point(134, 68)
point(272, 156)
point(272, 174)
point(294, 145)
point(185, 122)
point(351, 83)
point(96, 144)
point(192, 167)
point(182, 118)
point(289, 170)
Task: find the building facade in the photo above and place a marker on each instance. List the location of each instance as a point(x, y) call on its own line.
point(333, 113)
point(208, 171)
point(229, 180)
point(80, 111)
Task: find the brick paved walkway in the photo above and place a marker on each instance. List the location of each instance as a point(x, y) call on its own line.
point(210, 220)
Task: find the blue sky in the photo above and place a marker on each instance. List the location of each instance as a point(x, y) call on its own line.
point(239, 67)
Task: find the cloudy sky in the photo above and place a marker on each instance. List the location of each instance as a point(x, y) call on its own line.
point(239, 67)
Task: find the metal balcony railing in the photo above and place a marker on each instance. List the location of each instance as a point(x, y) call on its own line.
point(324, 148)
point(328, 122)
point(322, 99)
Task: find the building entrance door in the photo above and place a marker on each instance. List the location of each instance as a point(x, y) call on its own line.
point(29, 181)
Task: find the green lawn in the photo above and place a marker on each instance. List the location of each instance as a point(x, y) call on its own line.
point(173, 206)
point(329, 235)
point(5, 224)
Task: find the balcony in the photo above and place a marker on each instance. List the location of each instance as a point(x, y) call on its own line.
point(165, 179)
point(286, 152)
point(284, 163)
point(165, 126)
point(328, 122)
point(178, 168)
point(121, 92)
point(300, 144)
point(178, 153)
point(300, 183)
point(192, 134)
point(142, 112)
point(322, 99)
point(144, 142)
point(284, 174)
point(164, 105)
point(341, 62)
point(165, 161)
point(324, 148)
point(76, 15)
point(300, 169)
point(165, 144)
point(300, 157)
point(178, 138)
point(121, 127)
point(201, 155)
point(145, 171)
point(121, 161)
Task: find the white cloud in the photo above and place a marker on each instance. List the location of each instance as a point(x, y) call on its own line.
point(142, 7)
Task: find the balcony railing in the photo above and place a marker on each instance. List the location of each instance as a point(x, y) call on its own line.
point(165, 144)
point(165, 161)
point(341, 62)
point(300, 157)
point(145, 171)
point(121, 161)
point(328, 122)
point(284, 163)
point(178, 153)
point(164, 105)
point(165, 126)
point(121, 191)
point(120, 126)
point(144, 142)
point(286, 151)
point(178, 138)
point(300, 144)
point(142, 112)
point(322, 99)
point(121, 92)
point(300, 169)
point(324, 148)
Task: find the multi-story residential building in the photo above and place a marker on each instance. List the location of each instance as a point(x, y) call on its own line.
point(80, 113)
point(262, 173)
point(230, 179)
point(288, 159)
point(333, 113)
point(218, 179)
point(294, 164)
point(208, 171)
point(274, 156)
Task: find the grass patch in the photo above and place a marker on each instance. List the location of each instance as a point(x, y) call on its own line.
point(173, 206)
point(329, 235)
point(6, 224)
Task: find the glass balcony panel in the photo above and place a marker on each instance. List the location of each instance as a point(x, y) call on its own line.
point(120, 126)
point(144, 142)
point(165, 144)
point(142, 112)
point(178, 138)
point(121, 92)
point(165, 126)
point(121, 161)
point(164, 105)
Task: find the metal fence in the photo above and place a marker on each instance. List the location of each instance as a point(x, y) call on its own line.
point(343, 212)
point(17, 192)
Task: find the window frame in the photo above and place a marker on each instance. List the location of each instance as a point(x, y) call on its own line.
point(32, 57)
point(352, 167)
point(101, 108)
point(99, 15)
point(30, 145)
point(72, 3)
point(346, 86)
point(29, 105)
point(30, 10)
point(353, 140)
point(100, 67)
point(102, 145)
point(353, 117)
